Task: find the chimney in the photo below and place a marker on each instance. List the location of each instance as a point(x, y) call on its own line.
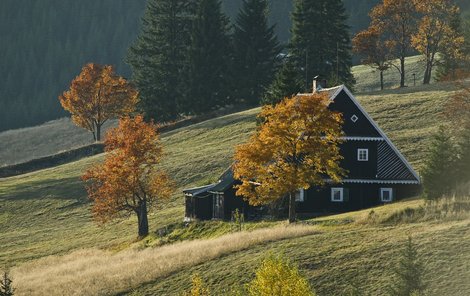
point(315, 84)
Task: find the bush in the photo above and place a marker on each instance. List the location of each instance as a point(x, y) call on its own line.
point(198, 288)
point(278, 277)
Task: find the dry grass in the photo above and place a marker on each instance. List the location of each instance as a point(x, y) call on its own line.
point(96, 272)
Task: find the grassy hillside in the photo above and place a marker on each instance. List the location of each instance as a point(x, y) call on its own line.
point(21, 145)
point(46, 212)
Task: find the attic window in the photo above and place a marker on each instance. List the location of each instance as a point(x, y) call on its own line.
point(362, 154)
point(354, 118)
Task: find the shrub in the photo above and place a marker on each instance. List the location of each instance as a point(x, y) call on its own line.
point(278, 277)
point(198, 288)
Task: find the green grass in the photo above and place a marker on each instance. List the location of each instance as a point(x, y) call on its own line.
point(361, 253)
point(47, 213)
point(367, 78)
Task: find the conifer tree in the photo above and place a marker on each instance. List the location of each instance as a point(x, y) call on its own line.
point(288, 82)
point(159, 58)
point(6, 287)
point(439, 172)
point(320, 40)
point(409, 272)
point(255, 50)
point(209, 58)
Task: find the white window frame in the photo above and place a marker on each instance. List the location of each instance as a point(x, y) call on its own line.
point(300, 195)
point(336, 189)
point(354, 118)
point(390, 194)
point(359, 151)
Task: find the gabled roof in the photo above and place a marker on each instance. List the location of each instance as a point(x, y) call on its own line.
point(392, 157)
point(225, 181)
point(198, 190)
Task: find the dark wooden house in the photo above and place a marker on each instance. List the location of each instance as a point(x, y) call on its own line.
point(378, 172)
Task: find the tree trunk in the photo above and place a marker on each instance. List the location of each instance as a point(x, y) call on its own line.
point(98, 133)
point(427, 73)
point(381, 80)
point(402, 72)
point(292, 217)
point(142, 219)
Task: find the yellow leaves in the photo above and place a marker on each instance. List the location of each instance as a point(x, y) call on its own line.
point(295, 146)
point(130, 172)
point(96, 95)
point(277, 276)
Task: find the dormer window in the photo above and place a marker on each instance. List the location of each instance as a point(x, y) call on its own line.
point(354, 118)
point(362, 154)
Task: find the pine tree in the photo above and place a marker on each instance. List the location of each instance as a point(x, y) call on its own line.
point(6, 287)
point(440, 170)
point(159, 58)
point(209, 58)
point(288, 82)
point(320, 40)
point(409, 273)
point(255, 50)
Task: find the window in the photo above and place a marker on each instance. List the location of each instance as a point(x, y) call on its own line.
point(362, 154)
point(354, 118)
point(337, 194)
point(386, 194)
point(300, 195)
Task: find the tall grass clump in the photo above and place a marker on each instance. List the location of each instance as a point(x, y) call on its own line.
point(97, 272)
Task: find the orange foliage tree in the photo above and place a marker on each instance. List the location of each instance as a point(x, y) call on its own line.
point(435, 32)
point(371, 46)
point(396, 20)
point(294, 148)
point(96, 95)
point(129, 180)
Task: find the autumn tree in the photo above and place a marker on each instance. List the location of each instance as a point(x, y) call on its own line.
point(396, 19)
point(278, 276)
point(369, 44)
point(435, 32)
point(129, 180)
point(96, 95)
point(295, 147)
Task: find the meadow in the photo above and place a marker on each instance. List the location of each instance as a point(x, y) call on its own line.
point(48, 232)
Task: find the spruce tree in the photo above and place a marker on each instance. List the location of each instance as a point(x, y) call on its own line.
point(408, 273)
point(255, 51)
point(209, 58)
point(6, 287)
point(440, 169)
point(160, 59)
point(288, 82)
point(320, 41)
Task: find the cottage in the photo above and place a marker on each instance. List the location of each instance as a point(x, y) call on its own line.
point(378, 172)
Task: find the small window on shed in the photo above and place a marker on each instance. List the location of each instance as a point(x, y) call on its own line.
point(386, 194)
point(362, 154)
point(354, 118)
point(337, 194)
